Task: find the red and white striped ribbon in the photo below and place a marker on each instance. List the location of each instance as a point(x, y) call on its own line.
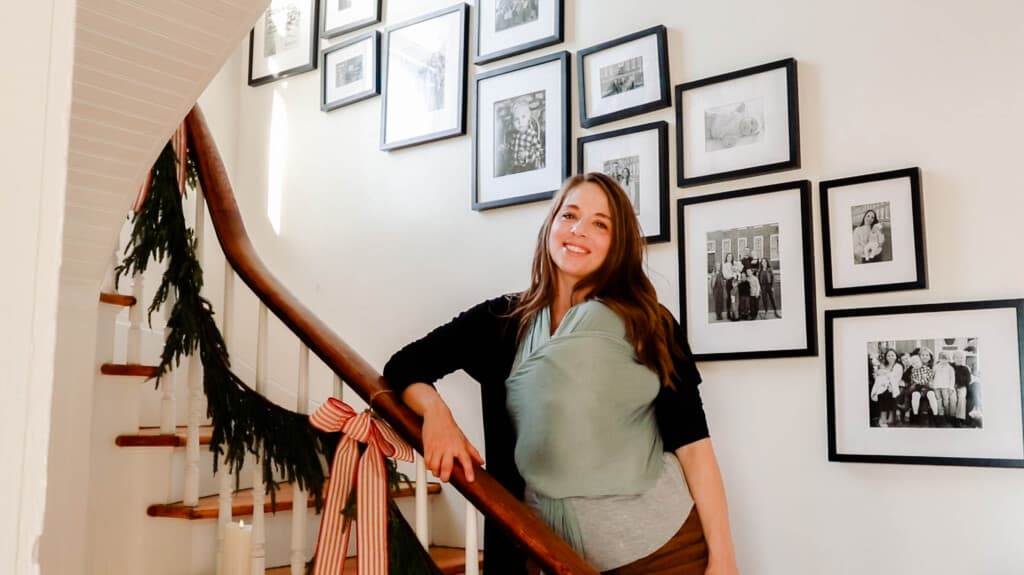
point(370, 476)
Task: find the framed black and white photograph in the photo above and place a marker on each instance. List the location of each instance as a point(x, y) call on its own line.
point(509, 27)
point(339, 17)
point(425, 79)
point(283, 41)
point(624, 77)
point(637, 158)
point(936, 384)
point(873, 233)
point(349, 71)
point(746, 273)
point(738, 124)
point(521, 140)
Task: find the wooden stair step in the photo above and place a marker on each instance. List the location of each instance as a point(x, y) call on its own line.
point(451, 560)
point(151, 437)
point(130, 369)
point(242, 505)
point(118, 299)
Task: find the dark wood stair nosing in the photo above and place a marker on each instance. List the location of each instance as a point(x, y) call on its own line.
point(129, 369)
point(118, 299)
point(178, 439)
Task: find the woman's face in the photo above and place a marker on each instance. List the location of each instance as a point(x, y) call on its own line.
point(728, 258)
point(870, 218)
point(890, 357)
point(581, 233)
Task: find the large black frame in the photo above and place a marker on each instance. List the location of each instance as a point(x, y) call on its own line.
point(914, 174)
point(556, 38)
point(350, 27)
point(793, 162)
point(374, 91)
point(663, 207)
point(665, 97)
point(830, 380)
point(314, 15)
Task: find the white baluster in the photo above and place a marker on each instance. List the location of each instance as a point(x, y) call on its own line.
point(339, 387)
point(225, 488)
point(422, 507)
point(195, 391)
point(259, 552)
point(472, 553)
point(168, 416)
point(135, 322)
point(299, 510)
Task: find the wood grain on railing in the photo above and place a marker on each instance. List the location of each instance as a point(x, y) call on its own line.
point(485, 493)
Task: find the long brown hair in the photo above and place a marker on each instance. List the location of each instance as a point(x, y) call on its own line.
point(620, 282)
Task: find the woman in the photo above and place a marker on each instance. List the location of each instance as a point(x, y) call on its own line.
point(729, 273)
point(867, 238)
point(888, 383)
point(766, 277)
point(586, 380)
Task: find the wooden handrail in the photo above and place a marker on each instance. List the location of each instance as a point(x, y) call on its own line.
point(485, 493)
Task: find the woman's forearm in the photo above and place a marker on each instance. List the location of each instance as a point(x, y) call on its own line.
point(705, 482)
point(423, 398)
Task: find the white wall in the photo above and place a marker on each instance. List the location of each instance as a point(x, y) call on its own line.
point(384, 246)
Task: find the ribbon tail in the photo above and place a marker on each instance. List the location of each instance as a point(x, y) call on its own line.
point(332, 544)
point(372, 509)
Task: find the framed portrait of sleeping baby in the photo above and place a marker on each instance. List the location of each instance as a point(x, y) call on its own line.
point(872, 233)
point(738, 124)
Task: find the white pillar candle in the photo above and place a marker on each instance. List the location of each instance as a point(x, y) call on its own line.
point(237, 549)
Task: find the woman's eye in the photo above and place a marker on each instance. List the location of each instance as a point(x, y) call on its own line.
point(602, 225)
point(567, 216)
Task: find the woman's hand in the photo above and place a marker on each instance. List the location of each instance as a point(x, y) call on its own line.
point(444, 444)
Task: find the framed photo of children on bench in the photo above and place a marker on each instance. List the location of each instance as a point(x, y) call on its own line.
point(746, 273)
point(934, 384)
point(522, 130)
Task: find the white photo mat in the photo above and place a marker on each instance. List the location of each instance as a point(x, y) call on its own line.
point(645, 47)
point(645, 145)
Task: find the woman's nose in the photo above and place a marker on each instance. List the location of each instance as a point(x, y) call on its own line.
point(577, 228)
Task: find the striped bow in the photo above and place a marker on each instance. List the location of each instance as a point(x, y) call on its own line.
point(370, 476)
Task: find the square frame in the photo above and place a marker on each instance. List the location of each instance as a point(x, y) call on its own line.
point(619, 64)
point(370, 84)
point(719, 138)
point(998, 344)
point(711, 306)
point(434, 91)
point(502, 92)
point(298, 57)
point(335, 22)
point(545, 27)
point(647, 145)
point(896, 255)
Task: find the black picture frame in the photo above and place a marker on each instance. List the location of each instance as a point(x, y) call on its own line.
point(852, 441)
point(309, 51)
point(456, 111)
point(748, 213)
point(656, 99)
point(771, 151)
point(555, 33)
point(517, 189)
point(637, 189)
point(373, 84)
point(352, 26)
point(912, 274)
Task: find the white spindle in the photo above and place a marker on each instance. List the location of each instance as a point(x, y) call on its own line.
point(168, 423)
point(227, 483)
point(135, 312)
point(299, 510)
point(339, 387)
point(422, 507)
point(472, 554)
point(195, 391)
point(258, 488)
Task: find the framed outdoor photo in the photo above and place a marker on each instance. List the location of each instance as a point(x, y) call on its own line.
point(425, 79)
point(349, 72)
point(935, 384)
point(339, 17)
point(872, 233)
point(509, 27)
point(624, 77)
point(637, 158)
point(283, 41)
point(746, 273)
point(738, 124)
point(521, 139)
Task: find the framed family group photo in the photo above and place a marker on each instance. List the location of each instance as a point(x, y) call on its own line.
point(624, 77)
point(738, 124)
point(873, 233)
point(349, 71)
point(637, 158)
point(746, 273)
point(283, 41)
point(521, 139)
point(425, 79)
point(339, 17)
point(936, 384)
point(509, 27)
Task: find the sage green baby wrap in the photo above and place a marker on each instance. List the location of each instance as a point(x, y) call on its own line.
point(583, 409)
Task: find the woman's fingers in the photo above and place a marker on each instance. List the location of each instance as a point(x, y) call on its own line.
point(446, 467)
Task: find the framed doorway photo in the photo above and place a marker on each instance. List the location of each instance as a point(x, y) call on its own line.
point(510, 27)
point(283, 41)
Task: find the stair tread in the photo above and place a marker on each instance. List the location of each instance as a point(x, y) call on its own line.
point(151, 437)
point(242, 504)
point(129, 369)
point(451, 560)
point(117, 299)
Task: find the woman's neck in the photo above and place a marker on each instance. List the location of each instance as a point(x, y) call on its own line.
point(565, 298)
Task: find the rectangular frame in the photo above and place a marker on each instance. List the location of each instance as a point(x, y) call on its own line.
point(719, 138)
point(370, 83)
point(425, 96)
point(894, 197)
point(544, 25)
point(338, 21)
point(623, 61)
point(995, 440)
point(707, 289)
point(299, 57)
point(647, 146)
point(513, 91)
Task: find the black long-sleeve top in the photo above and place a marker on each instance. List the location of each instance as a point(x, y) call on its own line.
point(482, 342)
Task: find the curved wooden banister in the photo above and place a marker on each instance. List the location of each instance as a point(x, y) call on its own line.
point(485, 493)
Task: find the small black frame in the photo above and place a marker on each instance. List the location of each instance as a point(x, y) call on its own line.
point(533, 44)
point(310, 64)
point(350, 27)
point(373, 91)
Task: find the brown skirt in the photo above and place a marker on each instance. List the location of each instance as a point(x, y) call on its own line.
point(685, 554)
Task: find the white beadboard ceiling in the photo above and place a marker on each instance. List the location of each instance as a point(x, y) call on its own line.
point(139, 67)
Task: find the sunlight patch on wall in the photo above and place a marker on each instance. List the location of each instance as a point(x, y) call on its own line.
point(277, 159)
